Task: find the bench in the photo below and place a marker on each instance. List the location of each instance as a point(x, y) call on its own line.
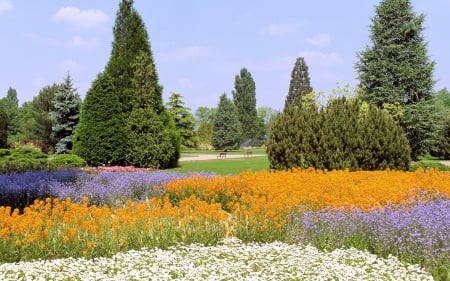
point(248, 153)
point(222, 155)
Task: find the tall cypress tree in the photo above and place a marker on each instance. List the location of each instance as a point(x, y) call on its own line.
point(11, 106)
point(395, 69)
point(300, 83)
point(99, 134)
point(244, 98)
point(184, 121)
point(65, 116)
point(130, 38)
point(226, 127)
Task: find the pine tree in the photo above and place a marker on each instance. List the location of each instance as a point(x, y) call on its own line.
point(396, 68)
point(65, 117)
point(300, 83)
point(100, 131)
point(11, 107)
point(226, 127)
point(184, 121)
point(244, 98)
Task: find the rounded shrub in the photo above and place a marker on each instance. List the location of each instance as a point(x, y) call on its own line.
point(67, 161)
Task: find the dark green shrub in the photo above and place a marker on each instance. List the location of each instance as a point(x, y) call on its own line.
point(67, 161)
point(347, 134)
point(22, 159)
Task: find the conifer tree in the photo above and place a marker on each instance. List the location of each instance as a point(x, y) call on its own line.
point(184, 121)
point(11, 107)
point(100, 132)
point(244, 98)
point(3, 127)
point(300, 83)
point(65, 116)
point(396, 69)
point(226, 127)
point(130, 39)
point(38, 126)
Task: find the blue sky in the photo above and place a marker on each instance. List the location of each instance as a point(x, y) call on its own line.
point(199, 46)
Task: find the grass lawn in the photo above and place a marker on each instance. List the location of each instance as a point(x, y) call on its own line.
point(223, 166)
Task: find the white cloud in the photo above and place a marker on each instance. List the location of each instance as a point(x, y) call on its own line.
point(319, 40)
point(80, 42)
point(70, 66)
point(81, 18)
point(189, 84)
point(284, 28)
point(320, 58)
point(5, 6)
point(188, 53)
point(33, 36)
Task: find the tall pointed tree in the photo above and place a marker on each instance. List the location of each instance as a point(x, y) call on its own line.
point(3, 127)
point(396, 69)
point(11, 106)
point(244, 98)
point(130, 39)
point(300, 83)
point(226, 127)
point(65, 116)
point(99, 134)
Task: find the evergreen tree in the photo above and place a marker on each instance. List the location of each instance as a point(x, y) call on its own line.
point(244, 98)
point(396, 68)
point(11, 107)
point(130, 39)
point(151, 141)
point(205, 119)
point(184, 121)
point(147, 105)
point(38, 124)
point(226, 127)
point(65, 116)
point(300, 83)
point(99, 133)
point(3, 127)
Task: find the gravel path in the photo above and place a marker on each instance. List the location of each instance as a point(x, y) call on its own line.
point(446, 162)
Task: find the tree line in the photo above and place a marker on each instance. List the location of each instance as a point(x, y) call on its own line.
point(392, 117)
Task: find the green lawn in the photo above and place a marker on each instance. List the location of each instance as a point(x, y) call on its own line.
point(223, 166)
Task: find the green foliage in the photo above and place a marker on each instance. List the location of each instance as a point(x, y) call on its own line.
point(11, 107)
point(65, 116)
point(22, 159)
point(300, 83)
point(184, 121)
point(99, 135)
point(151, 142)
point(244, 98)
point(3, 127)
point(227, 129)
point(130, 39)
point(204, 118)
point(347, 134)
point(67, 161)
point(396, 69)
point(37, 123)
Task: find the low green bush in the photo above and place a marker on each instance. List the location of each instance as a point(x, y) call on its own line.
point(66, 160)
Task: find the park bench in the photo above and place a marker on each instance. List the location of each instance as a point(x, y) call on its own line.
point(248, 153)
point(222, 154)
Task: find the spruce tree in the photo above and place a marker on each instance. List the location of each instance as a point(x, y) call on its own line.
point(300, 83)
point(65, 116)
point(184, 121)
point(396, 68)
point(244, 98)
point(100, 132)
point(226, 127)
point(11, 106)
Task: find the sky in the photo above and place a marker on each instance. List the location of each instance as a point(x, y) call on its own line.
point(199, 46)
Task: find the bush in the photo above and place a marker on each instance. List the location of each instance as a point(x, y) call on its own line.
point(67, 161)
point(347, 134)
point(22, 159)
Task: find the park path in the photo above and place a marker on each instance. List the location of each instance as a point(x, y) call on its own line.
point(213, 156)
